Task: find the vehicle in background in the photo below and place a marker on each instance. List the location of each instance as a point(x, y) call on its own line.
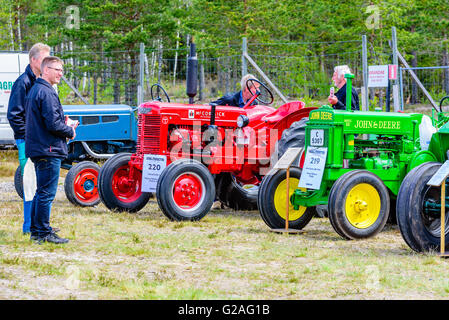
point(12, 65)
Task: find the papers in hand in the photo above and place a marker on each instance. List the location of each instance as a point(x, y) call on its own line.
point(71, 123)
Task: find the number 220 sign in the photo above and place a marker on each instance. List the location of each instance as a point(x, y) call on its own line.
point(153, 165)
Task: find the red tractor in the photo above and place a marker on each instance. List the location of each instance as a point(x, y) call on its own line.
point(212, 152)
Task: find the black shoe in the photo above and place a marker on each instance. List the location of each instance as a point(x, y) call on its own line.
point(34, 237)
point(53, 238)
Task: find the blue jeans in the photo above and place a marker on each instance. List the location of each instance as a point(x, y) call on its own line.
point(20, 143)
point(47, 176)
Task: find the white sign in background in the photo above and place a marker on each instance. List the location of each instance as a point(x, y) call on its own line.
point(312, 172)
point(378, 76)
point(153, 165)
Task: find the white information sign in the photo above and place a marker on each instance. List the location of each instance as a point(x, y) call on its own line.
point(317, 137)
point(312, 172)
point(287, 158)
point(153, 165)
point(439, 176)
point(378, 76)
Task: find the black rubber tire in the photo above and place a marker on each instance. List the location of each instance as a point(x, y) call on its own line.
point(403, 207)
point(392, 216)
point(165, 191)
point(105, 186)
point(233, 195)
point(161, 177)
point(321, 211)
point(410, 215)
point(337, 213)
point(18, 182)
point(293, 137)
point(331, 202)
point(72, 177)
point(266, 203)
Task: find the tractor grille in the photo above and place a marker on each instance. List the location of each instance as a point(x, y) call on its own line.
point(148, 139)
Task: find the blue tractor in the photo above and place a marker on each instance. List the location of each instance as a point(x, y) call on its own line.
point(103, 131)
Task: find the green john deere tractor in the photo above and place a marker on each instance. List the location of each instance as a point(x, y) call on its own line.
point(365, 156)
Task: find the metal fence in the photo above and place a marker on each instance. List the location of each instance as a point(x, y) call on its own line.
point(294, 68)
point(434, 79)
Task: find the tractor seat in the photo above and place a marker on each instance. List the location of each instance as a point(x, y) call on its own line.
point(283, 111)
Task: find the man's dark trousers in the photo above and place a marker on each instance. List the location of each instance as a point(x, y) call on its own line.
point(47, 176)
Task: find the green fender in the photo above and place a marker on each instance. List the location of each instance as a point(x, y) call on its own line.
point(420, 158)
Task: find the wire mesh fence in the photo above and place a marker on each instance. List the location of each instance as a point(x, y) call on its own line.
point(295, 68)
point(300, 70)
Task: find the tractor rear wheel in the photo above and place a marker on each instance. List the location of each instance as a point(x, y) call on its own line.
point(272, 200)
point(118, 191)
point(360, 205)
point(185, 191)
point(234, 195)
point(418, 209)
point(18, 182)
point(81, 184)
point(293, 137)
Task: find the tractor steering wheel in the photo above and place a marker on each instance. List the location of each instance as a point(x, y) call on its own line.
point(258, 89)
point(441, 103)
point(155, 96)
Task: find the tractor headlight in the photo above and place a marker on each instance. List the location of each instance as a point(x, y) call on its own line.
point(242, 121)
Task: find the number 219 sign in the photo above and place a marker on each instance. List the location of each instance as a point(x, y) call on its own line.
point(313, 169)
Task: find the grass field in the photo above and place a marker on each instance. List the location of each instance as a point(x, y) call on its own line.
point(227, 255)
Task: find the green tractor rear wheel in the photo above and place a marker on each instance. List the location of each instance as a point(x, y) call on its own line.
point(419, 209)
point(360, 205)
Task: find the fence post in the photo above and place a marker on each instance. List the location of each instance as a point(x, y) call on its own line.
point(159, 62)
point(140, 87)
point(401, 86)
point(244, 52)
point(394, 45)
point(365, 97)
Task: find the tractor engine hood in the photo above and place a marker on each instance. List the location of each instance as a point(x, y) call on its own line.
point(224, 115)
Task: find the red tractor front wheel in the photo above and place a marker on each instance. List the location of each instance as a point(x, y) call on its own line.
point(81, 184)
point(185, 190)
point(119, 191)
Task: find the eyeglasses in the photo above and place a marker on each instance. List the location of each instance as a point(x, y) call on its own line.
point(59, 70)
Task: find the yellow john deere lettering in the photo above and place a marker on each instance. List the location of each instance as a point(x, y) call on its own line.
point(314, 115)
point(367, 124)
point(326, 115)
point(323, 115)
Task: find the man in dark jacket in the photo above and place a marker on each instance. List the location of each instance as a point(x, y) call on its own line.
point(240, 98)
point(16, 113)
point(338, 101)
point(46, 145)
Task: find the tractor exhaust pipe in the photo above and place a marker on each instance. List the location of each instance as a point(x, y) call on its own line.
point(192, 73)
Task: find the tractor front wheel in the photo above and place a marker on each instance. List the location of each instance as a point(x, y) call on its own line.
point(185, 190)
point(359, 205)
point(81, 184)
point(119, 191)
point(418, 209)
point(272, 201)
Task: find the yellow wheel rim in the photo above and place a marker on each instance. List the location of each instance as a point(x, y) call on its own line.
point(280, 200)
point(362, 205)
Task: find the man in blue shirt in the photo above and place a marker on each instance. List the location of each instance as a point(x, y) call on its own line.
point(240, 98)
point(16, 113)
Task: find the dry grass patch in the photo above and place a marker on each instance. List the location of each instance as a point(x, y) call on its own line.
point(226, 255)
